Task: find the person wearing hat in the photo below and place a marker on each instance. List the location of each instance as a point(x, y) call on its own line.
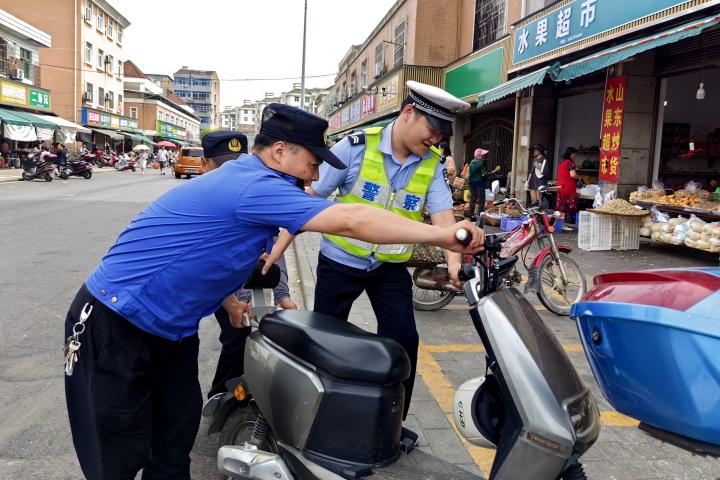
point(539, 170)
point(478, 175)
point(134, 399)
point(396, 168)
point(219, 147)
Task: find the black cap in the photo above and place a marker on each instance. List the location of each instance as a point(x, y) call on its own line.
point(224, 145)
point(283, 122)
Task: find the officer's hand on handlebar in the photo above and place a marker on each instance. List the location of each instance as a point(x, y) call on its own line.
point(471, 241)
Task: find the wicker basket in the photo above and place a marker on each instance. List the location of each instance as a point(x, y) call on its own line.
point(459, 183)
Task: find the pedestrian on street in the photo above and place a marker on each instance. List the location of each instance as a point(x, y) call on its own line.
point(446, 159)
point(567, 198)
point(162, 159)
point(478, 175)
point(539, 170)
point(134, 399)
point(143, 159)
point(396, 159)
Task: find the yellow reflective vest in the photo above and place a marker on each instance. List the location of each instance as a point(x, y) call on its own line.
point(372, 187)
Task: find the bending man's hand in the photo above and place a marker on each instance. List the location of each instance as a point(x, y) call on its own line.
point(238, 311)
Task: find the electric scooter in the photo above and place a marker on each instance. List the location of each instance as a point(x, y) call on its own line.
point(323, 399)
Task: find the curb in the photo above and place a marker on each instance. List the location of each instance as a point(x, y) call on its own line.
point(18, 178)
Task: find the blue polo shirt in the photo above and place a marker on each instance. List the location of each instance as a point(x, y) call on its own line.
point(196, 244)
point(439, 197)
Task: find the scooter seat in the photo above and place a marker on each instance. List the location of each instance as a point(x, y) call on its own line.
point(337, 347)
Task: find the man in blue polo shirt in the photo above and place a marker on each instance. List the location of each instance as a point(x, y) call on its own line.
point(133, 398)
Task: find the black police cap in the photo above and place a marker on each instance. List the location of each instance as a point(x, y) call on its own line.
point(283, 122)
point(224, 145)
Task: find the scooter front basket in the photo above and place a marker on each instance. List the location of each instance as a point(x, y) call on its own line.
point(652, 339)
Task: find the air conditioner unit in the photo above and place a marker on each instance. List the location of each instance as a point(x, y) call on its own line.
point(107, 59)
point(18, 74)
point(87, 97)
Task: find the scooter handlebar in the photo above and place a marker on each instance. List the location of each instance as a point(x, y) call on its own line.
point(463, 236)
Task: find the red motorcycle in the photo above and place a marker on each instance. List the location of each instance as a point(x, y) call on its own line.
point(553, 276)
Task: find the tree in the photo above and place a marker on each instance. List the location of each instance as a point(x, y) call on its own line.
point(205, 131)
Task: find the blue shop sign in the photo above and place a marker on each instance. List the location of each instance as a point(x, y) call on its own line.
point(579, 20)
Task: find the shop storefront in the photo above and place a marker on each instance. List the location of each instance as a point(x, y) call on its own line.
point(108, 130)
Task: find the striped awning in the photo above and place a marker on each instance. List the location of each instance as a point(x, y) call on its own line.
point(515, 85)
point(613, 55)
point(137, 137)
point(10, 117)
point(34, 120)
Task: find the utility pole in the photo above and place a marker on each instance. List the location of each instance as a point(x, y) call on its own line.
point(302, 78)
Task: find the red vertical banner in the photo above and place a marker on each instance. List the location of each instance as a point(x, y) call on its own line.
point(611, 131)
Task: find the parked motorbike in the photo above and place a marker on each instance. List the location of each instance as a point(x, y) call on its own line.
point(553, 276)
point(323, 399)
point(104, 160)
point(34, 167)
point(124, 164)
point(76, 168)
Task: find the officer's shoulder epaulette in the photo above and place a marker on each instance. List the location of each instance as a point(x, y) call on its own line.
point(357, 138)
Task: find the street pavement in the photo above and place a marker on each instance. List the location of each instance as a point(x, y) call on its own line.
point(54, 234)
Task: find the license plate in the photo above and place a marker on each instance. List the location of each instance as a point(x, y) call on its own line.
point(191, 170)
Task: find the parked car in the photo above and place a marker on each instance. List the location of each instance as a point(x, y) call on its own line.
point(189, 162)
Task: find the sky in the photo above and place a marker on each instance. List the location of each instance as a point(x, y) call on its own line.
point(247, 39)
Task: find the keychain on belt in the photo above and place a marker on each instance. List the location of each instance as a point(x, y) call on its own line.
point(72, 344)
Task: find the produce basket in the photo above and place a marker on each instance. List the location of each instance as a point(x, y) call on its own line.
point(424, 255)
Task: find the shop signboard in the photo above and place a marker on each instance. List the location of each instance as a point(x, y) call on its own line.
point(168, 130)
point(477, 75)
point(388, 95)
point(334, 122)
point(38, 98)
point(13, 93)
point(368, 105)
point(578, 20)
point(102, 119)
point(611, 131)
point(355, 108)
point(345, 117)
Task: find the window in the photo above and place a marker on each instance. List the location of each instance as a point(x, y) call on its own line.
point(363, 74)
point(100, 59)
point(119, 68)
point(353, 84)
point(88, 12)
point(109, 30)
point(489, 22)
point(532, 6)
point(296, 99)
point(88, 53)
point(119, 34)
point(111, 100)
point(89, 89)
point(101, 97)
point(399, 50)
point(110, 62)
point(26, 57)
point(100, 20)
point(380, 60)
point(120, 103)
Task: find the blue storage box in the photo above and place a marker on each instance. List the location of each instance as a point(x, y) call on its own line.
point(652, 339)
point(509, 223)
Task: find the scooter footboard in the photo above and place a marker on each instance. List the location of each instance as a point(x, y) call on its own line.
point(419, 464)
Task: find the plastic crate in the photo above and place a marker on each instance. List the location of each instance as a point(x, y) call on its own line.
point(626, 233)
point(510, 223)
point(594, 231)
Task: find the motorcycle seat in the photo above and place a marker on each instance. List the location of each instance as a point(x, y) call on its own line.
point(337, 347)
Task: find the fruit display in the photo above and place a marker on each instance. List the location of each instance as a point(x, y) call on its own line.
point(646, 195)
point(679, 199)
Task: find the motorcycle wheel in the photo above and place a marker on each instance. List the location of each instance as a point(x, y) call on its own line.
point(48, 177)
point(238, 429)
point(25, 176)
point(428, 300)
point(87, 174)
point(133, 169)
point(64, 176)
point(556, 296)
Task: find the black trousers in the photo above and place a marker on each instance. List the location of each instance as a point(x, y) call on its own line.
point(231, 363)
point(134, 399)
point(389, 288)
point(477, 201)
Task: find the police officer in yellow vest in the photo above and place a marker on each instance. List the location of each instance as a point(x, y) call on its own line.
point(396, 168)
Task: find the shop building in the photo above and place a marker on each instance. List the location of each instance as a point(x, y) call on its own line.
point(200, 89)
point(158, 115)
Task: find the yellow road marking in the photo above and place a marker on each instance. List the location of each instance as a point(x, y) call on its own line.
point(443, 392)
point(477, 348)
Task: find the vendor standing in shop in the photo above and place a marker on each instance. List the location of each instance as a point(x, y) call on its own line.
point(567, 198)
point(538, 176)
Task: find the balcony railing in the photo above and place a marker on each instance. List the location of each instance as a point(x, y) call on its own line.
point(17, 68)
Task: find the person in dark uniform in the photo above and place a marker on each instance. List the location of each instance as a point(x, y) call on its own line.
point(219, 147)
point(396, 169)
point(134, 399)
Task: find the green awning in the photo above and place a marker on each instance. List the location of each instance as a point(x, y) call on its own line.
point(516, 84)
point(626, 50)
point(182, 143)
point(137, 137)
point(10, 117)
point(34, 120)
point(115, 135)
